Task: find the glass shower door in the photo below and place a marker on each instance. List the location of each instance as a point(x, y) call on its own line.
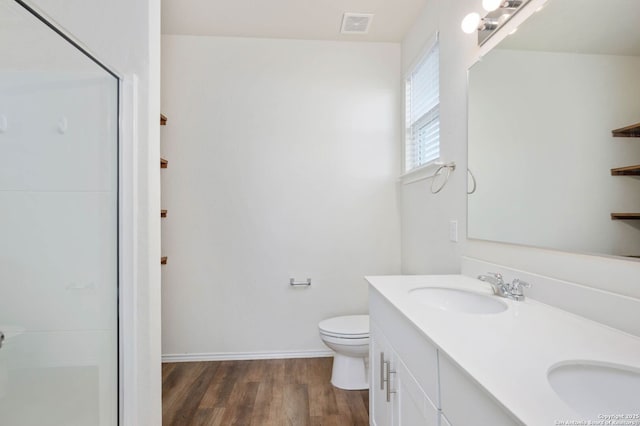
point(58, 228)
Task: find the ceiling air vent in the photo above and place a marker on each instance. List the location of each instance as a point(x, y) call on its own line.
point(356, 23)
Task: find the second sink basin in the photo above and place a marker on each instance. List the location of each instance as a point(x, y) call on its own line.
point(593, 390)
point(451, 299)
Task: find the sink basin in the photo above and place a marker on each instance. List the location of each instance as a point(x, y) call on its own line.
point(593, 389)
point(451, 299)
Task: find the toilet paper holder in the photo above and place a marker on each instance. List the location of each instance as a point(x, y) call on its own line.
point(293, 283)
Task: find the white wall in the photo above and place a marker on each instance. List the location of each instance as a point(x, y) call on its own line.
point(426, 248)
point(282, 163)
point(542, 151)
point(126, 36)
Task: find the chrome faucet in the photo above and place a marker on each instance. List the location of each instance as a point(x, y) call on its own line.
point(497, 283)
point(500, 288)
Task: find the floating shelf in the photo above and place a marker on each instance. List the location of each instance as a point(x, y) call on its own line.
point(163, 260)
point(625, 216)
point(626, 171)
point(163, 213)
point(163, 163)
point(163, 120)
point(632, 131)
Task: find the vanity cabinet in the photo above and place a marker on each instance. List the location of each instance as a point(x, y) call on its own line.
point(400, 357)
point(396, 398)
point(414, 407)
point(464, 402)
point(380, 353)
point(426, 386)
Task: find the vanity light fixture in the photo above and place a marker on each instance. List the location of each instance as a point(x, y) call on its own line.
point(499, 12)
point(491, 5)
point(472, 22)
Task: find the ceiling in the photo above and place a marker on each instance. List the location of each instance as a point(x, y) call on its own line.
point(293, 19)
point(592, 27)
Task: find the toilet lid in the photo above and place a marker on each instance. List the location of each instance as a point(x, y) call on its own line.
point(350, 326)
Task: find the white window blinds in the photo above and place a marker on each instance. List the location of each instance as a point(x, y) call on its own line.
point(422, 112)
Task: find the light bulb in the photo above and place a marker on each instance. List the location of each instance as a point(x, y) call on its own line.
point(491, 5)
point(470, 23)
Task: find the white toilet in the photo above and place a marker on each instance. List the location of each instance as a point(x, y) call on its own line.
point(348, 336)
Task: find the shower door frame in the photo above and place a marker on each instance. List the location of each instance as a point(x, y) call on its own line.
point(125, 154)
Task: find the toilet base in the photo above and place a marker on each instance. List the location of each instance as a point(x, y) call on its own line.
point(350, 373)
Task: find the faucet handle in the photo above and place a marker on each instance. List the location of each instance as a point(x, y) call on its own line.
point(517, 282)
point(516, 287)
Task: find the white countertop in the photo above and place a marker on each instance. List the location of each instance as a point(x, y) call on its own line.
point(510, 353)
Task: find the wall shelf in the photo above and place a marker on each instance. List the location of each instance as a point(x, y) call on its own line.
point(626, 171)
point(163, 165)
point(632, 131)
point(625, 216)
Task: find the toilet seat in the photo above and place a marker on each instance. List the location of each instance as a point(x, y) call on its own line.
point(346, 327)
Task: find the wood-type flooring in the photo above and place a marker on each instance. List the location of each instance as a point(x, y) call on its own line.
point(279, 392)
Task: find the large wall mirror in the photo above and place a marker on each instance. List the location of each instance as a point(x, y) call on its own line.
point(542, 107)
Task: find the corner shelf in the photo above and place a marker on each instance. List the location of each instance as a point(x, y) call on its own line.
point(626, 171)
point(163, 260)
point(163, 120)
point(632, 131)
point(625, 216)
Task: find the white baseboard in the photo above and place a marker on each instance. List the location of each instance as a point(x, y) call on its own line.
point(240, 356)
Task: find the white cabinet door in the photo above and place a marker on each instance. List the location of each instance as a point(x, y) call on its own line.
point(380, 353)
point(410, 345)
point(395, 398)
point(413, 407)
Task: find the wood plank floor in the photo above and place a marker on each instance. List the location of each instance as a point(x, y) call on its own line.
point(279, 392)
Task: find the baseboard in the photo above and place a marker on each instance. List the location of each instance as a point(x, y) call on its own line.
point(240, 356)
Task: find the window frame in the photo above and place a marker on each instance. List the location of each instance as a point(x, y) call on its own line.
point(428, 48)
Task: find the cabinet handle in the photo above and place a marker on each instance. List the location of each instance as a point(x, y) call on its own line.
point(388, 380)
point(382, 363)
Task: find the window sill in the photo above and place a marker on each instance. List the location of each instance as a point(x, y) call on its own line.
point(423, 172)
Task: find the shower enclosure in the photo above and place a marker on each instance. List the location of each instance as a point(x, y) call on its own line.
point(58, 228)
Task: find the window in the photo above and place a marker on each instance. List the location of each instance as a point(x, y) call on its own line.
point(422, 111)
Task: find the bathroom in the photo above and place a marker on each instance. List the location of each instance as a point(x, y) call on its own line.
point(284, 152)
